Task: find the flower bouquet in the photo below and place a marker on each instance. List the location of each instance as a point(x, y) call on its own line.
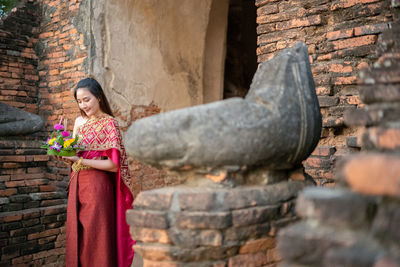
point(61, 143)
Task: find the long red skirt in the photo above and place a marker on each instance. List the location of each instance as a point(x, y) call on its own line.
point(91, 232)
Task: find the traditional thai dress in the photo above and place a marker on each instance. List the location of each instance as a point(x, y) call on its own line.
point(97, 232)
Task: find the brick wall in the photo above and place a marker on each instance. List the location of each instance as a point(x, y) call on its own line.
point(62, 54)
point(18, 60)
point(43, 54)
point(32, 206)
point(341, 36)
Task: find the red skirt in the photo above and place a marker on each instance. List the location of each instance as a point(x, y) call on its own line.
point(91, 220)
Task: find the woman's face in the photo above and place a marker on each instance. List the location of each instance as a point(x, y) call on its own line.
point(88, 102)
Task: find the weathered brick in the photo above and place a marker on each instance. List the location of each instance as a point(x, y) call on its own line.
point(266, 28)
point(194, 238)
point(203, 220)
point(370, 29)
point(149, 235)
point(333, 122)
point(349, 3)
point(327, 101)
point(353, 141)
point(318, 162)
point(373, 174)
point(155, 252)
point(10, 217)
point(260, 3)
point(340, 68)
point(324, 151)
point(199, 201)
point(257, 245)
point(12, 158)
point(364, 254)
point(380, 93)
point(323, 90)
point(257, 259)
point(254, 215)
point(307, 245)
point(159, 199)
point(357, 117)
point(340, 34)
point(381, 138)
point(386, 221)
point(326, 206)
point(147, 218)
point(267, 9)
point(348, 80)
point(150, 263)
point(8, 192)
point(299, 22)
point(354, 42)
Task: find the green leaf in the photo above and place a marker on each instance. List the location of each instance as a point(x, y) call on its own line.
point(75, 141)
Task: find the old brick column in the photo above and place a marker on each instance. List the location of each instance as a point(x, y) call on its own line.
point(201, 226)
point(357, 224)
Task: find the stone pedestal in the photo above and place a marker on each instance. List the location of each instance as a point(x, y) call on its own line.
point(203, 226)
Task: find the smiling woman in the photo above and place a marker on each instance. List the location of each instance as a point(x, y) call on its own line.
point(99, 192)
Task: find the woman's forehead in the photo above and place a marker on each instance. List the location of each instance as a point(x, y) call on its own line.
point(83, 92)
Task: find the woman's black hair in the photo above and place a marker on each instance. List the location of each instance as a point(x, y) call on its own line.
point(95, 89)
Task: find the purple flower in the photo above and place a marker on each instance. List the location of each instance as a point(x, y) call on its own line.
point(65, 134)
point(58, 127)
point(56, 146)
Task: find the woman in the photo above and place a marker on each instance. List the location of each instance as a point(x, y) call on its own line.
point(97, 232)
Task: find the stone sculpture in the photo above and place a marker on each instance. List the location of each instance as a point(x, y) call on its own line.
point(273, 129)
point(14, 121)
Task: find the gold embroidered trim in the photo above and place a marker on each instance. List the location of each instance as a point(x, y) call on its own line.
point(76, 168)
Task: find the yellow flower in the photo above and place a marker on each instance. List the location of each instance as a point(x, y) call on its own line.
point(51, 141)
point(68, 142)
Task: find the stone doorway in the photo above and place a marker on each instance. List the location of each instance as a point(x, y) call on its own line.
point(241, 45)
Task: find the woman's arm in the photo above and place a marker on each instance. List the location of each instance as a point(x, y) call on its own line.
point(100, 164)
point(78, 122)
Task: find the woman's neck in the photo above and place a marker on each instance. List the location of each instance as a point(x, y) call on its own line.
point(96, 116)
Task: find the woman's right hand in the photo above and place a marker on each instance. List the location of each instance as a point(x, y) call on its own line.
point(60, 158)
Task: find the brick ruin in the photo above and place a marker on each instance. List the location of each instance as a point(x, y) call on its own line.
point(45, 50)
point(341, 36)
point(356, 224)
